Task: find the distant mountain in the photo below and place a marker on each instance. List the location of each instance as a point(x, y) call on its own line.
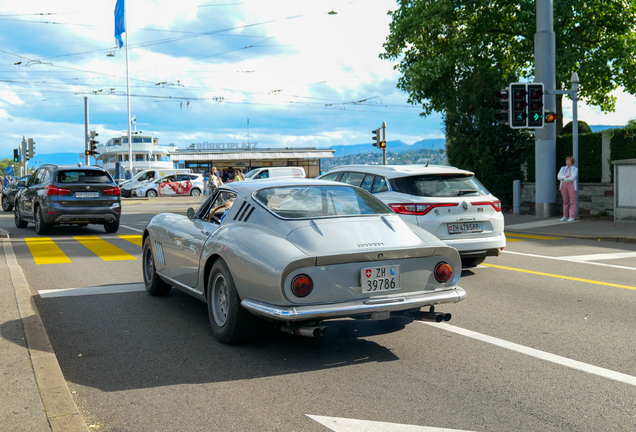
point(598, 128)
point(394, 146)
point(56, 159)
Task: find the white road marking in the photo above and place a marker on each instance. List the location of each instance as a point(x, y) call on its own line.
point(543, 223)
point(600, 257)
point(542, 355)
point(557, 258)
point(131, 228)
point(106, 289)
point(339, 424)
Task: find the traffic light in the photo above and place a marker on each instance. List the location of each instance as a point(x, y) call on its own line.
point(535, 105)
point(16, 155)
point(31, 148)
point(518, 109)
point(551, 117)
point(87, 152)
point(377, 137)
point(382, 144)
point(93, 143)
point(503, 105)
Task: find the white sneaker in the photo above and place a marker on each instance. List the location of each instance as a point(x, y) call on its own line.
point(563, 219)
point(571, 220)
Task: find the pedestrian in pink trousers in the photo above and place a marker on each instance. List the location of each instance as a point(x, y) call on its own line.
point(569, 185)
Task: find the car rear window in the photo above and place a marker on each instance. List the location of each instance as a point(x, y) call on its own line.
point(439, 185)
point(84, 176)
point(298, 202)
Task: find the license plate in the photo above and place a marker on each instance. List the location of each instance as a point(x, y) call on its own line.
point(465, 228)
point(86, 194)
point(376, 279)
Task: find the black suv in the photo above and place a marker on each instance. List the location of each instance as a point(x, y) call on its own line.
point(67, 194)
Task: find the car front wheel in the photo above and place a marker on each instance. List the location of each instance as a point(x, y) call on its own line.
point(152, 281)
point(18, 220)
point(40, 226)
point(231, 323)
point(6, 204)
point(151, 193)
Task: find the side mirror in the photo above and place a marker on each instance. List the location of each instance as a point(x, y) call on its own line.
point(190, 213)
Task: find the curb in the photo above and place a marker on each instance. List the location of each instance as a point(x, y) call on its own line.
point(615, 239)
point(59, 406)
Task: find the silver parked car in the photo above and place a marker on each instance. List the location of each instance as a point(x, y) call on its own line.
point(298, 253)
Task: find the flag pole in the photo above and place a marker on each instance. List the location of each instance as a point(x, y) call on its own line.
point(130, 152)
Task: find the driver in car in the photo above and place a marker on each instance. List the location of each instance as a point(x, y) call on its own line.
point(227, 205)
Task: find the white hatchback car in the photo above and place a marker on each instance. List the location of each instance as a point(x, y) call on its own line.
point(171, 184)
point(448, 202)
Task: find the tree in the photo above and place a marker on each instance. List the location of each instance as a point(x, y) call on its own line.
point(476, 143)
point(439, 43)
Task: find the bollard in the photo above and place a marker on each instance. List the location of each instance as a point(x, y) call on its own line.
point(516, 197)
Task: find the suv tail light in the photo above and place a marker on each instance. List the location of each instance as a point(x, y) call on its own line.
point(495, 204)
point(112, 191)
point(54, 190)
point(443, 272)
point(419, 209)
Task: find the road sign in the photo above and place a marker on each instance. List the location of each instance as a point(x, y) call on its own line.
point(81, 155)
point(8, 171)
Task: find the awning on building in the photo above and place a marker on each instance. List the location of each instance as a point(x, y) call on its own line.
point(247, 155)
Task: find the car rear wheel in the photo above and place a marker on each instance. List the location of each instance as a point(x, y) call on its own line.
point(472, 262)
point(195, 192)
point(151, 193)
point(40, 226)
point(231, 323)
point(152, 281)
point(6, 204)
point(111, 227)
point(18, 220)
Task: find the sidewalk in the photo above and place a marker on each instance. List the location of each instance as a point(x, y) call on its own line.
point(590, 229)
point(35, 396)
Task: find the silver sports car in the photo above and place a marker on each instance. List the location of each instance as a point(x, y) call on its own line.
point(298, 252)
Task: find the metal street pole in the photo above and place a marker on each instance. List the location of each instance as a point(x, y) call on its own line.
point(545, 138)
point(574, 94)
point(130, 152)
point(384, 139)
point(86, 147)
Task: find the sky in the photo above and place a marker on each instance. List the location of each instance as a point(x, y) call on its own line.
point(279, 73)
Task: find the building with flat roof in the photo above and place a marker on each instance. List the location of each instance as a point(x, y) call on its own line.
point(147, 154)
point(247, 156)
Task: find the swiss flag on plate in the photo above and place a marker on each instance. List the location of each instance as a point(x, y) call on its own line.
point(368, 272)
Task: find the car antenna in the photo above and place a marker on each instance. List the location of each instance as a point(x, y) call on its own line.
point(430, 153)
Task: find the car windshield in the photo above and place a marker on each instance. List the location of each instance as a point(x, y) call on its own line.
point(296, 202)
point(84, 176)
point(439, 185)
point(252, 173)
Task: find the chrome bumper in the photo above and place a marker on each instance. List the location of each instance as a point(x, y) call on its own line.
point(342, 310)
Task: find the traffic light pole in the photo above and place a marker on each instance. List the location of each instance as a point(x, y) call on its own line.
point(384, 139)
point(88, 158)
point(545, 138)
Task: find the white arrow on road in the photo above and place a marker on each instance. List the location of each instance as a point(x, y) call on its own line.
point(338, 424)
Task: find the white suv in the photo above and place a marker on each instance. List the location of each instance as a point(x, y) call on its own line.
point(446, 201)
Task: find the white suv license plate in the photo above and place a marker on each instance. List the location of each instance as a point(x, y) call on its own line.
point(465, 228)
point(376, 279)
point(86, 194)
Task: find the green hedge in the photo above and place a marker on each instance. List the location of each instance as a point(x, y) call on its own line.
point(623, 144)
point(589, 163)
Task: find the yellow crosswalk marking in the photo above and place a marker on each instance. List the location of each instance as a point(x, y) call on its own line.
point(133, 238)
point(509, 239)
point(45, 251)
point(103, 249)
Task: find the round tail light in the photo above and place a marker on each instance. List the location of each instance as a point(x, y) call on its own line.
point(302, 285)
point(443, 272)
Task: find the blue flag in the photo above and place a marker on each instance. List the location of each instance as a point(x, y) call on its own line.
point(120, 27)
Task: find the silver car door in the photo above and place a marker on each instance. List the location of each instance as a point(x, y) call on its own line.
point(186, 238)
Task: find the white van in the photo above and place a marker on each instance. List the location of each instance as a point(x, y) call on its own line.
point(275, 172)
point(142, 177)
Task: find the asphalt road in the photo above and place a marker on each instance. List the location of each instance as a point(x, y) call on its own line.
point(540, 344)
